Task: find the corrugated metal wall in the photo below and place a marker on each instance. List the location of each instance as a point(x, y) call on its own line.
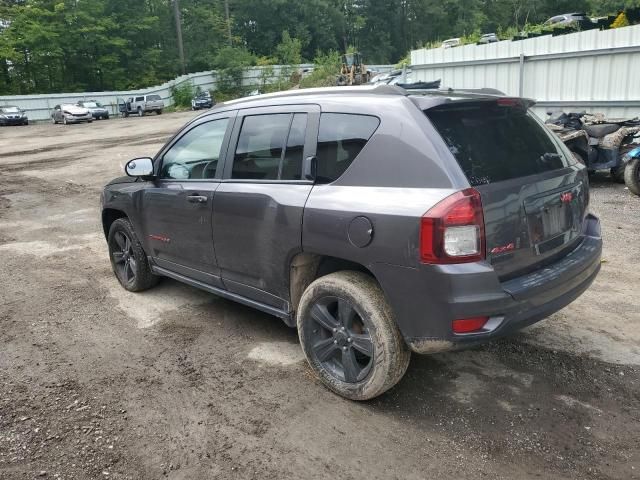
point(592, 70)
point(39, 107)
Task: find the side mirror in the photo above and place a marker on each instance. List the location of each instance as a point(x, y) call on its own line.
point(139, 167)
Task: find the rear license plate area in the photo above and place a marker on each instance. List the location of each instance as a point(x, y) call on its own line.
point(551, 220)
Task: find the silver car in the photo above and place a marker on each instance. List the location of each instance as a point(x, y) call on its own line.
point(98, 111)
point(69, 113)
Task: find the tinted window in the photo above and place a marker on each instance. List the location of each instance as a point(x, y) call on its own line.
point(196, 154)
point(139, 99)
point(292, 163)
point(261, 152)
point(340, 139)
point(493, 143)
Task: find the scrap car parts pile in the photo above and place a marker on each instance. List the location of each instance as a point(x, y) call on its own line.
point(601, 143)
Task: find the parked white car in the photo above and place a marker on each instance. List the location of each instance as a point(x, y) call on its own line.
point(452, 42)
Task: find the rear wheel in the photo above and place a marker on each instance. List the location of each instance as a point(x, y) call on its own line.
point(632, 176)
point(128, 259)
point(349, 336)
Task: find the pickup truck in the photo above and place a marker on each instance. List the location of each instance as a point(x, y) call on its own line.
point(141, 104)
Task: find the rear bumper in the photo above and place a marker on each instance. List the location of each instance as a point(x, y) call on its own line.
point(448, 292)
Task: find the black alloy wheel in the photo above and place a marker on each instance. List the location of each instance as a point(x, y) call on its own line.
point(339, 339)
point(121, 249)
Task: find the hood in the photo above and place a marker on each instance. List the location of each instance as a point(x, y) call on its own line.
point(76, 110)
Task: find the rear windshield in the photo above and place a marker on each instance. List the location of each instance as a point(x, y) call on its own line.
point(493, 143)
point(153, 98)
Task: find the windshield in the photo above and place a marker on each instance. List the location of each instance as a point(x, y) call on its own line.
point(10, 110)
point(493, 143)
point(92, 105)
point(153, 98)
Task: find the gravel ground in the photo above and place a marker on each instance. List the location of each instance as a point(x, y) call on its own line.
point(96, 382)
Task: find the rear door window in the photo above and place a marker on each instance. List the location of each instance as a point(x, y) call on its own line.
point(340, 139)
point(493, 142)
point(270, 147)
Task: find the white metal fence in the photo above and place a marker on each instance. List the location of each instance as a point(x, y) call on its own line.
point(592, 70)
point(39, 107)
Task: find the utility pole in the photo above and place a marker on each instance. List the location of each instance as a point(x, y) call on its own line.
point(176, 14)
point(226, 12)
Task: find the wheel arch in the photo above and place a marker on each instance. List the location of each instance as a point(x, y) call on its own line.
point(110, 215)
point(306, 267)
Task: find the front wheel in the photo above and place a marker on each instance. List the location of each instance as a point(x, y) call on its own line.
point(128, 259)
point(632, 176)
point(140, 112)
point(349, 336)
point(159, 112)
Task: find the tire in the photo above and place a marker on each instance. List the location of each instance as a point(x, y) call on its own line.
point(53, 120)
point(128, 259)
point(363, 335)
point(25, 123)
point(89, 121)
point(617, 174)
point(632, 176)
point(126, 114)
point(64, 121)
point(159, 112)
point(140, 112)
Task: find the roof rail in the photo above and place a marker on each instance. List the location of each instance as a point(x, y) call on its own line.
point(364, 89)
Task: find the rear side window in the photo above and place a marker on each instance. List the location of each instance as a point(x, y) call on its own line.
point(493, 143)
point(340, 139)
point(153, 98)
point(139, 99)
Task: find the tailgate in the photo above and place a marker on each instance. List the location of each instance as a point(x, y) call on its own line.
point(534, 194)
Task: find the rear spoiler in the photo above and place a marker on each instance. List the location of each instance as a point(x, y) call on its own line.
point(460, 97)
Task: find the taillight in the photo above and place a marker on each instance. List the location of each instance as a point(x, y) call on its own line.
point(453, 230)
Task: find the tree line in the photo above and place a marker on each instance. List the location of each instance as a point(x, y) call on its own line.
point(93, 45)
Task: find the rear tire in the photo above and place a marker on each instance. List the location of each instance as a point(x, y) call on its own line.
point(632, 176)
point(349, 336)
point(128, 260)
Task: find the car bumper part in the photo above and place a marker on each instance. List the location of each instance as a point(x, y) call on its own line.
point(448, 292)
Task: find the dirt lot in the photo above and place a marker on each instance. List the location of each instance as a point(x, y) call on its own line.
point(96, 382)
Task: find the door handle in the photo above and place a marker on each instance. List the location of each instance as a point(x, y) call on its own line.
point(197, 199)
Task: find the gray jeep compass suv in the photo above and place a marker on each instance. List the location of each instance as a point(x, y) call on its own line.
point(377, 221)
